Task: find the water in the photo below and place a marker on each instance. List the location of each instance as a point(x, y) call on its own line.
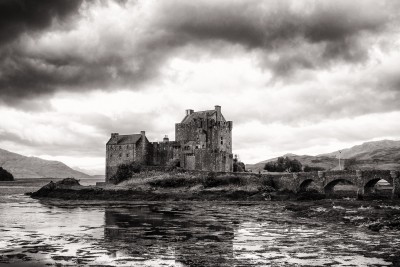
point(54, 232)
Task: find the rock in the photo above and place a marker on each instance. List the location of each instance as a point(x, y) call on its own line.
point(63, 184)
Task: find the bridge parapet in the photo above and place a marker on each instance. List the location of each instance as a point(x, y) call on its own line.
point(325, 181)
point(285, 181)
point(334, 177)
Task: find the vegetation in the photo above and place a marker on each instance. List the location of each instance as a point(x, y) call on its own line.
point(125, 172)
point(312, 168)
point(5, 175)
point(173, 164)
point(208, 181)
point(350, 164)
point(284, 165)
point(238, 166)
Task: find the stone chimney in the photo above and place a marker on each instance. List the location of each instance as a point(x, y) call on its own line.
point(218, 110)
point(189, 112)
point(166, 139)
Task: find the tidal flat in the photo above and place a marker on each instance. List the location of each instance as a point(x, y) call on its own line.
point(54, 232)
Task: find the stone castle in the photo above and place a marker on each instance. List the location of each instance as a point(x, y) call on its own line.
point(203, 142)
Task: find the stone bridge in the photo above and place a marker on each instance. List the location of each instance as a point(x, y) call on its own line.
point(325, 181)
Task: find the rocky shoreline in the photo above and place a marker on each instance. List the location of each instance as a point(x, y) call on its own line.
point(376, 214)
point(70, 189)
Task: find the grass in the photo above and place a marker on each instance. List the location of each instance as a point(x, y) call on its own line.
point(211, 181)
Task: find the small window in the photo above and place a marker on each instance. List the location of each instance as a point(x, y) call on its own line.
point(127, 155)
point(197, 147)
point(222, 142)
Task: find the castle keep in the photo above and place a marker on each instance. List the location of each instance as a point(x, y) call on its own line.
point(203, 142)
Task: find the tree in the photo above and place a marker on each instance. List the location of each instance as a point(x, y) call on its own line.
point(5, 175)
point(125, 171)
point(312, 168)
point(294, 165)
point(283, 165)
point(238, 166)
point(350, 164)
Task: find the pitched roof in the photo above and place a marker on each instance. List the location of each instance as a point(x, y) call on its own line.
point(124, 139)
point(199, 114)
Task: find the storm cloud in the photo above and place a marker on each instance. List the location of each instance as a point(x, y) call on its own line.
point(100, 51)
point(294, 75)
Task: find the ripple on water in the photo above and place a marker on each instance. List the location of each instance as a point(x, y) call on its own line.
point(181, 234)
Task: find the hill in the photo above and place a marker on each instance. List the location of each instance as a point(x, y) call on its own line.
point(383, 154)
point(31, 167)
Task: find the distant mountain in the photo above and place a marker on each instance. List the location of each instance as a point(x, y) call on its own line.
point(32, 167)
point(383, 154)
point(369, 150)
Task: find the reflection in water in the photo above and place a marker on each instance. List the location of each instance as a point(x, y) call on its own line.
point(185, 238)
point(36, 233)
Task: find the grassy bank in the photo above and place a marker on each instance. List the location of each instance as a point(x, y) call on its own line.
point(168, 186)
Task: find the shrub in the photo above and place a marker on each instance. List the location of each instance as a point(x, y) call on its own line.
point(212, 180)
point(238, 166)
point(312, 168)
point(173, 181)
point(125, 171)
point(5, 175)
point(173, 164)
point(283, 164)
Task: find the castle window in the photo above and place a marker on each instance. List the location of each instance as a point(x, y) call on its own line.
point(222, 142)
point(127, 155)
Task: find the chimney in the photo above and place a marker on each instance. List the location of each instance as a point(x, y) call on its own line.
point(218, 110)
point(189, 112)
point(113, 135)
point(166, 139)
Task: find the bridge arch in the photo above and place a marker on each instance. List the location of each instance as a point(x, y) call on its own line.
point(305, 184)
point(372, 177)
point(329, 187)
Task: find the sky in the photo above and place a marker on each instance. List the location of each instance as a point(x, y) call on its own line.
point(294, 76)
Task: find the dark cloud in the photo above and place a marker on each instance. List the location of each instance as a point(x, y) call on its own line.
point(20, 16)
point(279, 30)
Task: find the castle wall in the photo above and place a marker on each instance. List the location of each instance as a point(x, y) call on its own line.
point(117, 155)
point(203, 142)
point(206, 144)
point(125, 154)
point(162, 153)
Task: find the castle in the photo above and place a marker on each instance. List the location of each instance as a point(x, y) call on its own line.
point(203, 142)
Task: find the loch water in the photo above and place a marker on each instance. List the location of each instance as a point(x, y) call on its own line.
point(98, 233)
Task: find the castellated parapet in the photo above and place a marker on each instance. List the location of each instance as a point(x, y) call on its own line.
point(203, 142)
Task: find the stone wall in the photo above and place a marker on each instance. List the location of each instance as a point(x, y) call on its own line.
point(160, 153)
point(125, 154)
